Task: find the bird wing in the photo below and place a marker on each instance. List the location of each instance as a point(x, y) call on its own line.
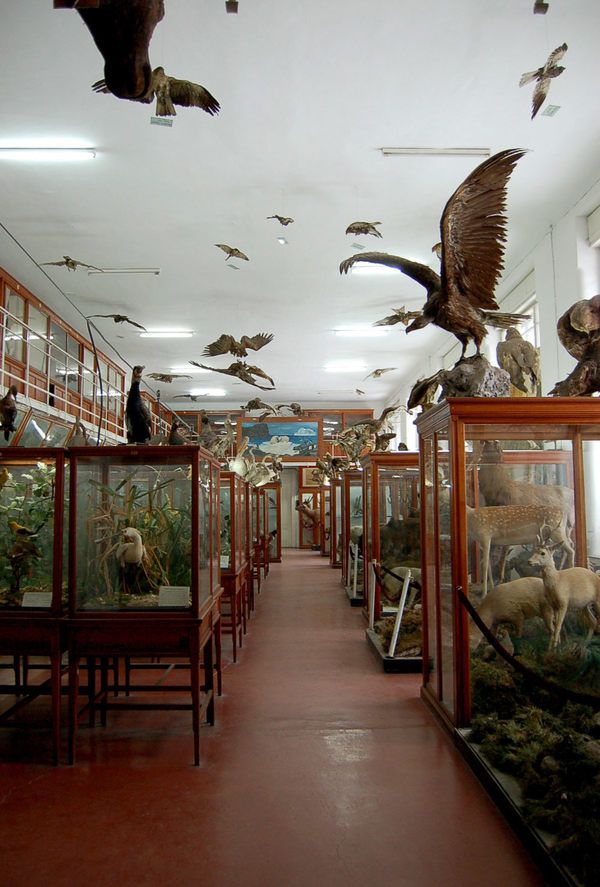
point(379, 372)
point(399, 316)
point(188, 94)
point(473, 229)
point(423, 274)
point(227, 371)
point(256, 371)
point(556, 55)
point(239, 254)
point(255, 343)
point(119, 318)
point(222, 345)
point(529, 76)
point(539, 95)
point(55, 263)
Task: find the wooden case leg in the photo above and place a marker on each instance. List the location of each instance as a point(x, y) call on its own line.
point(73, 699)
point(195, 690)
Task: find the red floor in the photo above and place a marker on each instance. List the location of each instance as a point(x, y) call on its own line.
point(321, 770)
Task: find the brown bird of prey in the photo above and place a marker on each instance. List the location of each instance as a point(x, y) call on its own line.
point(473, 227)
point(8, 411)
point(364, 228)
point(169, 91)
point(193, 397)
point(358, 391)
point(72, 264)
point(540, 8)
point(399, 315)
point(167, 378)
point(283, 220)
point(257, 404)
point(232, 252)
point(294, 407)
point(228, 345)
point(373, 425)
point(521, 360)
point(579, 332)
point(437, 249)
point(376, 374)
point(119, 318)
point(243, 371)
point(543, 76)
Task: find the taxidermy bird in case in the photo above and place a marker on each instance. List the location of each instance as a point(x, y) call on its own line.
point(8, 411)
point(137, 414)
point(132, 550)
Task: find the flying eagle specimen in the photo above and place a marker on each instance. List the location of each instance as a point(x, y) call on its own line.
point(167, 378)
point(8, 411)
point(579, 332)
point(283, 220)
point(543, 76)
point(120, 318)
point(373, 425)
point(243, 371)
point(473, 228)
point(521, 360)
point(364, 228)
point(376, 374)
point(193, 397)
point(228, 345)
point(72, 264)
point(137, 414)
point(232, 252)
point(257, 404)
point(168, 92)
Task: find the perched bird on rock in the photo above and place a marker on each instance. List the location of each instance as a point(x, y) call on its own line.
point(377, 374)
point(364, 228)
point(579, 332)
point(169, 91)
point(243, 371)
point(232, 252)
point(132, 550)
point(543, 76)
point(283, 220)
point(119, 318)
point(137, 414)
point(226, 344)
point(521, 360)
point(424, 391)
point(72, 264)
point(167, 378)
point(473, 230)
point(8, 411)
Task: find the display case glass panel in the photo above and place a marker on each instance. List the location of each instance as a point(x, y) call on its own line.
point(325, 521)
point(352, 526)
point(273, 494)
point(233, 512)
point(308, 530)
point(336, 523)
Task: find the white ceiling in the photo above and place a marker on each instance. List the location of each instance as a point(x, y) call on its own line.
point(309, 91)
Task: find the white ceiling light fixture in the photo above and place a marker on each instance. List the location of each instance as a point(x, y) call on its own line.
point(189, 370)
point(208, 392)
point(166, 334)
point(345, 366)
point(402, 151)
point(369, 268)
point(42, 154)
point(282, 241)
point(124, 271)
point(359, 332)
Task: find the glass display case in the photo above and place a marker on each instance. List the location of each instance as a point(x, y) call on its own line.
point(392, 553)
point(509, 492)
point(335, 505)
point(325, 528)
point(264, 528)
point(234, 574)
point(352, 531)
point(273, 494)
point(308, 529)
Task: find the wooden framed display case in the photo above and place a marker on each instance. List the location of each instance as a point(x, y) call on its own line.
point(234, 574)
point(509, 491)
point(325, 526)
point(32, 483)
point(352, 529)
point(273, 495)
point(392, 555)
point(264, 528)
point(309, 534)
point(335, 554)
point(259, 534)
point(144, 575)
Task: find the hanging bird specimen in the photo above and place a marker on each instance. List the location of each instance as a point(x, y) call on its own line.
point(192, 397)
point(543, 76)
point(358, 391)
point(119, 318)
point(283, 220)
point(169, 91)
point(540, 7)
point(376, 374)
point(232, 252)
point(137, 414)
point(72, 264)
point(473, 227)
point(294, 408)
point(521, 360)
point(364, 228)
point(257, 404)
point(228, 345)
point(243, 371)
point(399, 315)
point(8, 411)
point(579, 332)
point(167, 378)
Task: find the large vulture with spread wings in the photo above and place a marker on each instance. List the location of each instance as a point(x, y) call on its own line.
point(473, 228)
point(227, 344)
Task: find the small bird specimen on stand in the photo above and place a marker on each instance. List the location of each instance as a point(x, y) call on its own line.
point(137, 414)
point(8, 411)
point(283, 220)
point(232, 252)
point(294, 407)
point(579, 332)
point(132, 550)
point(169, 91)
point(364, 228)
point(167, 378)
point(521, 360)
point(377, 374)
point(72, 264)
point(473, 229)
point(543, 76)
point(243, 371)
point(226, 344)
point(119, 318)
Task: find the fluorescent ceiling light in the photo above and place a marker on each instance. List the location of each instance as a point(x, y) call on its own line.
point(42, 155)
point(208, 392)
point(435, 152)
point(188, 370)
point(166, 334)
point(369, 268)
point(356, 332)
point(282, 241)
point(345, 366)
point(124, 271)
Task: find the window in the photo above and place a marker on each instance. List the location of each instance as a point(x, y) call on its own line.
point(37, 338)
point(72, 363)
point(88, 374)
point(14, 343)
point(58, 357)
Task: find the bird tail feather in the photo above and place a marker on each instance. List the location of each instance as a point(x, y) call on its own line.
point(528, 77)
point(503, 320)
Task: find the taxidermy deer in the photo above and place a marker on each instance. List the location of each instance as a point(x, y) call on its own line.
point(514, 602)
point(514, 525)
point(310, 516)
point(576, 588)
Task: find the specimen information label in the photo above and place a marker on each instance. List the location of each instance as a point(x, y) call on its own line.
point(174, 596)
point(224, 561)
point(37, 599)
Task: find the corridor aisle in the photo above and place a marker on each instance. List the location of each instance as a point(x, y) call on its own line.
point(322, 770)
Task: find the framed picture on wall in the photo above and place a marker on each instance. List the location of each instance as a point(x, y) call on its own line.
point(290, 439)
point(306, 478)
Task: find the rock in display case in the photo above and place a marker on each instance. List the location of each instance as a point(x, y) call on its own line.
point(511, 651)
point(392, 557)
point(234, 572)
point(273, 496)
point(144, 577)
point(352, 529)
point(335, 554)
point(32, 483)
point(325, 527)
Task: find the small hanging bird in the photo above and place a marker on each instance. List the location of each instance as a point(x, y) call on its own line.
point(358, 391)
point(399, 315)
point(120, 318)
point(137, 414)
point(364, 228)
point(257, 404)
point(437, 249)
point(8, 411)
point(294, 407)
point(226, 344)
point(72, 264)
point(521, 360)
point(232, 252)
point(376, 374)
point(192, 397)
point(243, 371)
point(167, 378)
point(283, 220)
point(169, 91)
point(543, 76)
point(132, 551)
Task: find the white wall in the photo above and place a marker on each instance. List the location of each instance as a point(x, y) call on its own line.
point(289, 515)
